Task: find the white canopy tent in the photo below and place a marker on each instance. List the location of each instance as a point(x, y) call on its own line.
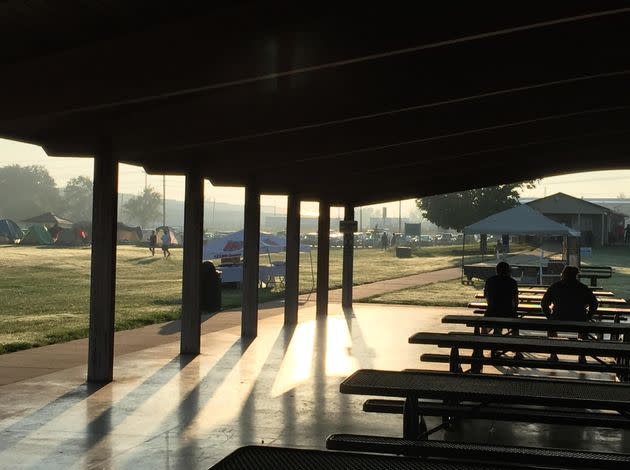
point(520, 220)
point(231, 246)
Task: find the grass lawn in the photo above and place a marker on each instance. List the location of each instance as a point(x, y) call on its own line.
point(619, 258)
point(44, 292)
point(454, 294)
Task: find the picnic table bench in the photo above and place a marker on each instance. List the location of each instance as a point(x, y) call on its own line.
point(537, 297)
point(470, 395)
point(595, 272)
point(482, 457)
point(619, 351)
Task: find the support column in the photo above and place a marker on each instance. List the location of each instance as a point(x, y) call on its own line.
point(103, 267)
point(292, 274)
point(323, 254)
point(348, 259)
point(251, 253)
point(190, 337)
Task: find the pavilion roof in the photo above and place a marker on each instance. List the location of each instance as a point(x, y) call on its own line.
point(355, 105)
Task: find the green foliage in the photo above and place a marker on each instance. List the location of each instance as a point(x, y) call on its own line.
point(77, 199)
point(27, 191)
point(458, 210)
point(143, 209)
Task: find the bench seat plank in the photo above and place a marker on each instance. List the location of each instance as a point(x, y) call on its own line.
point(503, 361)
point(523, 344)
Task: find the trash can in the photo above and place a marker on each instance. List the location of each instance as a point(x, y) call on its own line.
point(403, 252)
point(210, 287)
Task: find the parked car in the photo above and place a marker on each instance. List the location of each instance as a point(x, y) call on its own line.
point(426, 240)
point(445, 239)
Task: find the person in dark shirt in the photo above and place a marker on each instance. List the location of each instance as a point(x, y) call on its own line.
point(501, 293)
point(568, 300)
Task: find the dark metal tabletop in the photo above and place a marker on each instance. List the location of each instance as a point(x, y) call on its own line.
point(530, 307)
point(539, 324)
point(489, 389)
point(280, 458)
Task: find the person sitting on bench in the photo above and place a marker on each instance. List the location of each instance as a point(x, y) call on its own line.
point(501, 293)
point(568, 300)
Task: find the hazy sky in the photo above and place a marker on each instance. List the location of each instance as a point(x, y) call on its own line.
point(132, 179)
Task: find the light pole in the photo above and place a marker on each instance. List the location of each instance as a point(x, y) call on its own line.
point(163, 200)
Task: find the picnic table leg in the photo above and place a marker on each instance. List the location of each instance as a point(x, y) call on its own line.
point(454, 364)
point(615, 336)
point(476, 367)
point(413, 425)
point(624, 361)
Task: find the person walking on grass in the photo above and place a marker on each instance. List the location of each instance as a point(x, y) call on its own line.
point(166, 243)
point(568, 300)
point(152, 242)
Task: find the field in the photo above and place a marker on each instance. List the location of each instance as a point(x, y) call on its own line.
point(454, 294)
point(44, 292)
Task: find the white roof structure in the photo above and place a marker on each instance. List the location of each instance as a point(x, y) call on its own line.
point(520, 220)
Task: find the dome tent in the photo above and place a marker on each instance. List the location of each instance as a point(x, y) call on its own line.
point(128, 234)
point(159, 232)
point(10, 230)
point(37, 235)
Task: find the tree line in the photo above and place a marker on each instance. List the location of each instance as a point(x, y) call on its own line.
point(27, 191)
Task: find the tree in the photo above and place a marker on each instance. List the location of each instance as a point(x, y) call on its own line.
point(77, 198)
point(458, 210)
point(27, 191)
point(144, 208)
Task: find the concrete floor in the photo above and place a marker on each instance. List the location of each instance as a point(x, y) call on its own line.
point(166, 411)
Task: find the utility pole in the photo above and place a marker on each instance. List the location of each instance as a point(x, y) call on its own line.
point(360, 219)
point(399, 217)
point(163, 200)
point(214, 205)
point(122, 200)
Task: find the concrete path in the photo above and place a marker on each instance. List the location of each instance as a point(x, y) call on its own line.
point(390, 285)
point(30, 363)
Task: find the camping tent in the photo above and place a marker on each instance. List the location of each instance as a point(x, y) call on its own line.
point(520, 220)
point(37, 235)
point(49, 220)
point(231, 245)
point(128, 234)
point(10, 230)
point(159, 232)
point(76, 235)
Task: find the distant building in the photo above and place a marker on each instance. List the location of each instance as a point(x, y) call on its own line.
point(598, 225)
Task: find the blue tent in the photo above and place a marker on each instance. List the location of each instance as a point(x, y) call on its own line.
point(10, 230)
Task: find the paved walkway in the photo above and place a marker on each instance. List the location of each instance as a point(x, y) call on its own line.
point(30, 363)
point(390, 285)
